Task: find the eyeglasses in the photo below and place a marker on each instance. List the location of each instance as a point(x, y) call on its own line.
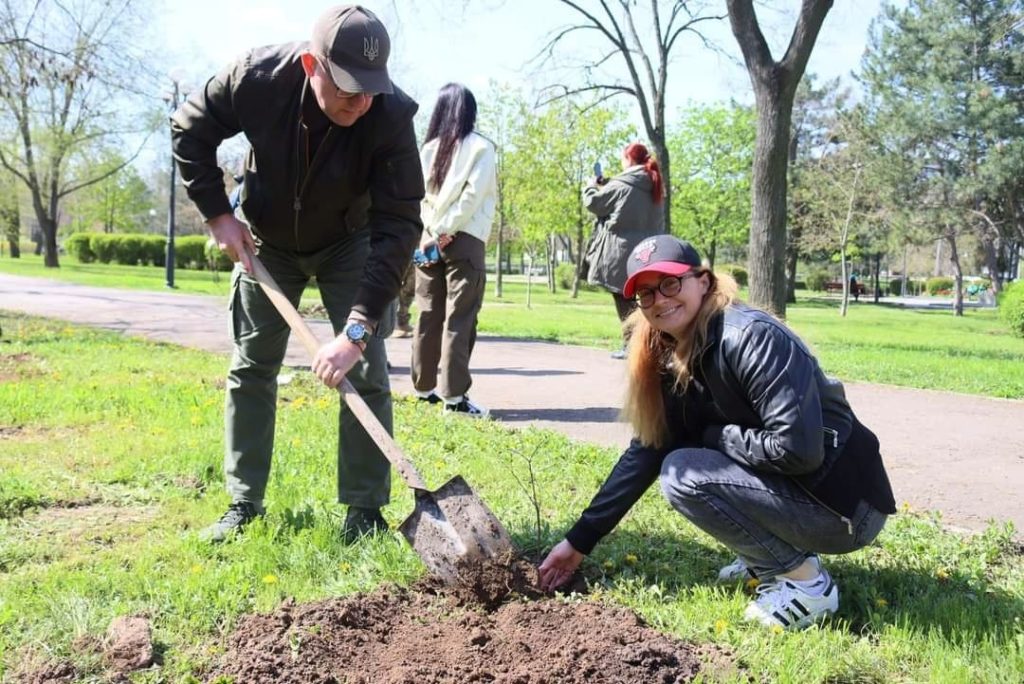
point(668, 287)
point(338, 92)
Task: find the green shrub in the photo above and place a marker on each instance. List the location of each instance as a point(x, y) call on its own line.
point(738, 273)
point(77, 245)
point(128, 249)
point(103, 246)
point(215, 258)
point(799, 284)
point(817, 279)
point(154, 250)
point(565, 273)
point(939, 284)
point(1011, 307)
point(190, 252)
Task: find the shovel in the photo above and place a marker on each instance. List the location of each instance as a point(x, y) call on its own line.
point(450, 528)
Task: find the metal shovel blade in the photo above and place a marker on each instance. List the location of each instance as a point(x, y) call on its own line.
point(452, 529)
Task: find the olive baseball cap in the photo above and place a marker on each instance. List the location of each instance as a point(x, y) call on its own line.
point(663, 254)
point(356, 46)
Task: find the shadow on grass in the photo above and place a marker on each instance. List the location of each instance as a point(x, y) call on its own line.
point(954, 606)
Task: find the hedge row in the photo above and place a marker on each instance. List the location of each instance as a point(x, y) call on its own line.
point(1011, 307)
point(190, 251)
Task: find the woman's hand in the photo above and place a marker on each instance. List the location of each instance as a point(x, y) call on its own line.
point(560, 564)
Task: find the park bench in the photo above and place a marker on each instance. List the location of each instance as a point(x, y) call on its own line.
point(836, 286)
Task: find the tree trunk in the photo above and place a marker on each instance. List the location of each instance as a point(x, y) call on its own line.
point(498, 254)
point(774, 86)
point(989, 246)
point(958, 275)
point(768, 215)
point(661, 154)
point(845, 281)
point(878, 276)
point(578, 263)
point(792, 255)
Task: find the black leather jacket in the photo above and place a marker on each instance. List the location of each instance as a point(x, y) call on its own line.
point(308, 183)
point(759, 396)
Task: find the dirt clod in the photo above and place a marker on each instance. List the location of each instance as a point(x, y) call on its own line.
point(398, 635)
point(129, 644)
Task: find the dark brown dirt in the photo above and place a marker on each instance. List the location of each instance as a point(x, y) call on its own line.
point(399, 636)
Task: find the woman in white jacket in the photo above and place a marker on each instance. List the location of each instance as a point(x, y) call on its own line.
point(459, 166)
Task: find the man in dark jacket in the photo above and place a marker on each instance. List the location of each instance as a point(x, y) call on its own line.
point(332, 189)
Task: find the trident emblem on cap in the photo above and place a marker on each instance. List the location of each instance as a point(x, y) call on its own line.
point(371, 48)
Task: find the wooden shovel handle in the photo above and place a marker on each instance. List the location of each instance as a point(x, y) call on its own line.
point(355, 402)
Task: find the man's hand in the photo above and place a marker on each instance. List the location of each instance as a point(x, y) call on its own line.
point(233, 238)
point(559, 566)
point(444, 240)
point(334, 359)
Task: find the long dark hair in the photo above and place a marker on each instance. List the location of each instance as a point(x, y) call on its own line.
point(453, 119)
point(637, 153)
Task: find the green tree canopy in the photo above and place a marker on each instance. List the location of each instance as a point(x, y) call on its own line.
point(713, 149)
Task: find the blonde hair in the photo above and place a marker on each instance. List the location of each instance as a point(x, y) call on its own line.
point(652, 352)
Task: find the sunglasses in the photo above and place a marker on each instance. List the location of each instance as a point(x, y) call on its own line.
point(668, 287)
point(338, 92)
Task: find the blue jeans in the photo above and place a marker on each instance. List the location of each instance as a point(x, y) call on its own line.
point(261, 338)
point(768, 520)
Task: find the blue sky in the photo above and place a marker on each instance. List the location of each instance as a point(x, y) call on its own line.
point(476, 41)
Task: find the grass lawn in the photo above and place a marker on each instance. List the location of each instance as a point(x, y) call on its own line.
point(110, 452)
point(973, 354)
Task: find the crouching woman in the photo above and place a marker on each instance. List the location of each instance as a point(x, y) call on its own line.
point(751, 441)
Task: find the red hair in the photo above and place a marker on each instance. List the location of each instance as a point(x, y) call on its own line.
point(637, 154)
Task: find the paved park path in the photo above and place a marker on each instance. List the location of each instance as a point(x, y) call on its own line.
point(959, 454)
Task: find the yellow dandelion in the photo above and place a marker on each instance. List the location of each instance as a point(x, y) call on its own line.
point(881, 602)
point(296, 443)
point(777, 629)
point(942, 574)
point(196, 569)
point(323, 402)
point(905, 507)
point(630, 559)
point(608, 565)
point(345, 567)
point(721, 626)
point(270, 579)
point(753, 583)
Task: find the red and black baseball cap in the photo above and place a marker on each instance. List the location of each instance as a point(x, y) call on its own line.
point(662, 254)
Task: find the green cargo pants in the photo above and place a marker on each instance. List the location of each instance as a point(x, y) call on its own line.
point(261, 338)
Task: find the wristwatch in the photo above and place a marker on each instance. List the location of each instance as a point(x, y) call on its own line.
point(356, 332)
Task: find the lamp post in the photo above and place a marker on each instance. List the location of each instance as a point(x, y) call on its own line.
point(169, 260)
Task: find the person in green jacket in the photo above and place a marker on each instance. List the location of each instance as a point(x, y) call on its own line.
point(628, 207)
point(332, 189)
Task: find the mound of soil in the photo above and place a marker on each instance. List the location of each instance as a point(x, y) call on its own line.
point(399, 636)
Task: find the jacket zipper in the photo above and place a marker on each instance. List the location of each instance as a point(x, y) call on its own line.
point(849, 523)
point(301, 189)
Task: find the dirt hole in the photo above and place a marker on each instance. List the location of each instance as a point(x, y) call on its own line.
point(492, 628)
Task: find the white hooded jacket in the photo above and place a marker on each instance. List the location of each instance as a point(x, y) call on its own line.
point(465, 203)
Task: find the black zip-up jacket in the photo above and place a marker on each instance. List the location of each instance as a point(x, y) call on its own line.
point(758, 396)
point(308, 183)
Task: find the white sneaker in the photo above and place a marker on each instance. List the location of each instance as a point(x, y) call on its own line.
point(466, 407)
point(784, 604)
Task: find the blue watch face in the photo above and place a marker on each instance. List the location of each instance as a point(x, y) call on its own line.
point(355, 331)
